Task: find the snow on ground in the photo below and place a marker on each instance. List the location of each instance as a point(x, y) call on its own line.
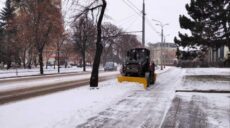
point(6, 86)
point(206, 79)
point(215, 107)
point(207, 71)
point(159, 71)
point(198, 110)
point(35, 71)
point(64, 109)
point(50, 70)
point(191, 109)
point(71, 108)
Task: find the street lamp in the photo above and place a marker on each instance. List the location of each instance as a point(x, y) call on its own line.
point(162, 30)
point(162, 37)
point(165, 54)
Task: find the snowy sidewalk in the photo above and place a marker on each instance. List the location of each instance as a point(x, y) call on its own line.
point(211, 109)
point(206, 79)
point(189, 110)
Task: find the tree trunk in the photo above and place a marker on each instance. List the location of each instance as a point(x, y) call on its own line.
point(8, 65)
point(46, 64)
point(41, 62)
point(58, 61)
point(66, 63)
point(29, 63)
point(54, 63)
point(99, 48)
point(35, 62)
point(24, 59)
point(24, 63)
point(83, 59)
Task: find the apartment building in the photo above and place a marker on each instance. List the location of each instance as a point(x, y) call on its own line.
point(164, 53)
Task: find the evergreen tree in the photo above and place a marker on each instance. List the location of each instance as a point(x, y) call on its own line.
point(6, 14)
point(1, 45)
point(208, 21)
point(7, 31)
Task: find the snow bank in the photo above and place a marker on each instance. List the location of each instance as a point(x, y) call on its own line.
point(206, 79)
point(207, 71)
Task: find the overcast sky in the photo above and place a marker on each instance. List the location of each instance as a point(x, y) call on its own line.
point(1, 3)
point(166, 11)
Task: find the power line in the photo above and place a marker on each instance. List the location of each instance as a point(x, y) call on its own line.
point(131, 23)
point(133, 8)
point(139, 12)
point(151, 25)
point(127, 20)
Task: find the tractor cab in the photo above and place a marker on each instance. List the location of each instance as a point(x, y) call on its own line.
point(136, 67)
point(136, 62)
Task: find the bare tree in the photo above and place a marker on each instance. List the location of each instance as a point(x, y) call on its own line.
point(99, 48)
point(68, 51)
point(83, 36)
point(100, 6)
point(124, 43)
point(111, 34)
point(45, 21)
point(23, 35)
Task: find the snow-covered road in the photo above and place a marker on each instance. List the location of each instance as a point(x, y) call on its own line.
point(18, 84)
point(128, 105)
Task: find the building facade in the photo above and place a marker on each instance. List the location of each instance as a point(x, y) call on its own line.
point(217, 55)
point(163, 53)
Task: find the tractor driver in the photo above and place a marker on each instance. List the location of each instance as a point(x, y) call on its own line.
point(152, 67)
point(152, 72)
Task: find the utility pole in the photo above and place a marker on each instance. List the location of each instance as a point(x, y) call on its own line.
point(162, 38)
point(143, 24)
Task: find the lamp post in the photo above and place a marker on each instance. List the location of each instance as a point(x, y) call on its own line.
point(165, 51)
point(162, 38)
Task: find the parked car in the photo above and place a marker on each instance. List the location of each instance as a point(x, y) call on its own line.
point(110, 66)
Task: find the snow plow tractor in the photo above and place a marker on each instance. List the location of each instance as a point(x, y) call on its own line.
point(136, 68)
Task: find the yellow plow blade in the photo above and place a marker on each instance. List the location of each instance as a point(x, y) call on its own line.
point(141, 80)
